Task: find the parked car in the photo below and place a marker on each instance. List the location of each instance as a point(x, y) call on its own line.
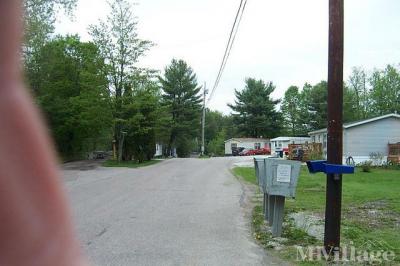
point(262, 151)
point(247, 152)
point(236, 150)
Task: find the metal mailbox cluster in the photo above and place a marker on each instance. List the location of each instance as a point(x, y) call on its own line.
point(277, 179)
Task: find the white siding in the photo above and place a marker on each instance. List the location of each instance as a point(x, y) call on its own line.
point(158, 150)
point(246, 145)
point(228, 146)
point(364, 139)
point(284, 143)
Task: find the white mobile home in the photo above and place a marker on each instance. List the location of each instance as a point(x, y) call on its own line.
point(159, 150)
point(281, 143)
point(362, 138)
point(247, 143)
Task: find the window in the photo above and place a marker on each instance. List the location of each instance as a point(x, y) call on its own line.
point(280, 144)
point(313, 139)
point(257, 146)
point(233, 146)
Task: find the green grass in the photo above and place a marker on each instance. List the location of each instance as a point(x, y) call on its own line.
point(247, 173)
point(377, 191)
point(358, 189)
point(129, 164)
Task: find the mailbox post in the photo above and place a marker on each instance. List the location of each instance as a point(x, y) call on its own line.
point(277, 179)
point(282, 176)
point(259, 164)
point(280, 182)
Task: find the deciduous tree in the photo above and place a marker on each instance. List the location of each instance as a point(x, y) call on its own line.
point(120, 45)
point(385, 92)
point(74, 97)
point(291, 111)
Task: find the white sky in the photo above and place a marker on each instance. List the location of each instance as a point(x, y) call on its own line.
point(284, 41)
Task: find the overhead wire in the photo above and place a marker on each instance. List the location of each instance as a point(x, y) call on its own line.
point(229, 45)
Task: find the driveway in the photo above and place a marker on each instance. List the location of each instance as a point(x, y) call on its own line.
point(177, 212)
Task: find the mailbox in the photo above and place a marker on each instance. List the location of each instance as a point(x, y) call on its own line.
point(259, 163)
point(281, 177)
point(316, 166)
point(324, 167)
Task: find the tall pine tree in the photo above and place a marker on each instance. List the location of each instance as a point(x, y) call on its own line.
point(255, 112)
point(181, 96)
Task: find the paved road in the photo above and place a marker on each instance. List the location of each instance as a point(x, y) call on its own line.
point(177, 212)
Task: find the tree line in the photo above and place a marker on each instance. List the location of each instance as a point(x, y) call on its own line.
point(93, 94)
point(301, 110)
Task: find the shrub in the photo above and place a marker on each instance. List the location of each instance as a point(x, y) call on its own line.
point(366, 166)
point(315, 156)
point(376, 158)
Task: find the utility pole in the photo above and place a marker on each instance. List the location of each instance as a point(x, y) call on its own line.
point(203, 121)
point(335, 125)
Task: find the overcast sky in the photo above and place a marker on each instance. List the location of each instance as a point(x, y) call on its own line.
point(283, 41)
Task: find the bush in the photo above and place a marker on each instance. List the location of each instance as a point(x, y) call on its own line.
point(376, 158)
point(391, 165)
point(366, 166)
point(315, 156)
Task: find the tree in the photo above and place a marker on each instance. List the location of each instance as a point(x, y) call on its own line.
point(218, 128)
point(140, 117)
point(39, 19)
point(255, 111)
point(181, 96)
point(215, 122)
point(216, 145)
point(291, 111)
point(357, 87)
point(351, 107)
point(317, 101)
point(304, 115)
point(120, 45)
point(385, 92)
point(74, 97)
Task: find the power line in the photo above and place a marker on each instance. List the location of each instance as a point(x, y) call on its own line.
point(233, 40)
point(232, 36)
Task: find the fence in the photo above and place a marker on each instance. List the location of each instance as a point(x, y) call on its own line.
point(394, 152)
point(305, 152)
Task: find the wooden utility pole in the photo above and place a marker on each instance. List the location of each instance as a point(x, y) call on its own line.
point(203, 121)
point(335, 125)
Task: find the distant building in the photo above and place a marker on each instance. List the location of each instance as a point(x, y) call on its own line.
point(247, 143)
point(282, 143)
point(362, 138)
point(159, 150)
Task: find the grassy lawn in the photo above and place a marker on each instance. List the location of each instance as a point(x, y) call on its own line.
point(370, 203)
point(129, 164)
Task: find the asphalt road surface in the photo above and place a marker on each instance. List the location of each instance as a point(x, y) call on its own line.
point(177, 212)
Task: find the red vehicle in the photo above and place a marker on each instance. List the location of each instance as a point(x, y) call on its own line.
point(262, 151)
point(247, 152)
